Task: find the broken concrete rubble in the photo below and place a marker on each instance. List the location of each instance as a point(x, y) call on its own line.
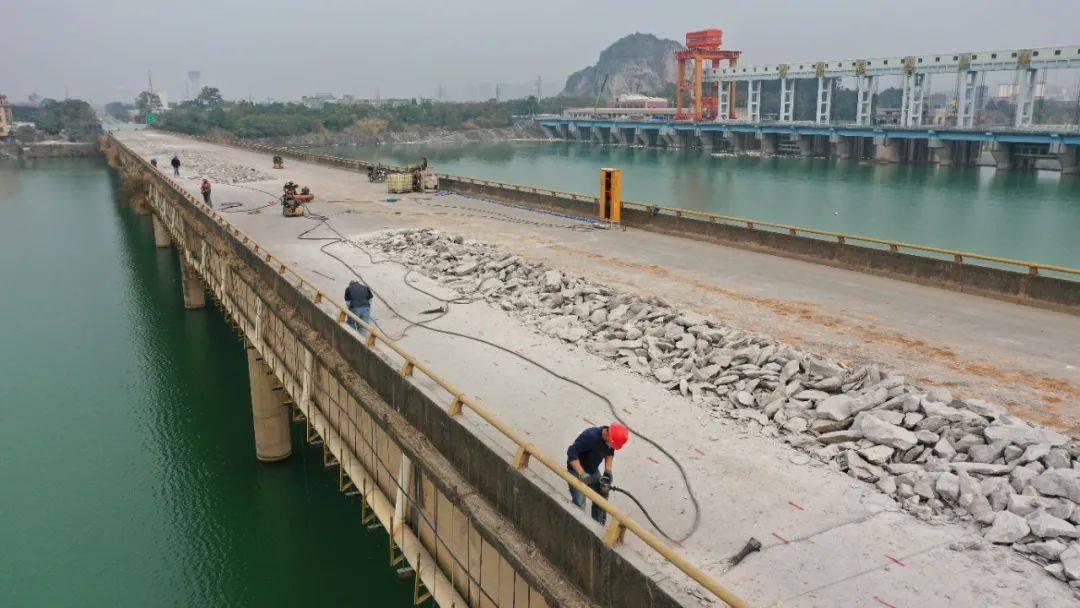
point(940, 455)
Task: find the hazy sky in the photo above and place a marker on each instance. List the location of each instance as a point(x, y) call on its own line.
point(101, 50)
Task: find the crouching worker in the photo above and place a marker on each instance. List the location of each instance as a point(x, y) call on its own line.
point(583, 457)
point(358, 299)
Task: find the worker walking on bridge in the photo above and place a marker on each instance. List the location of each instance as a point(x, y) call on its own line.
point(583, 457)
point(175, 162)
point(205, 189)
point(358, 299)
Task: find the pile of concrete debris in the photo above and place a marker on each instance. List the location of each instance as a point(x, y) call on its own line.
point(196, 164)
point(940, 457)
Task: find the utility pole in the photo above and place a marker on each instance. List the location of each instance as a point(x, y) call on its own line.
point(149, 81)
point(496, 91)
point(539, 88)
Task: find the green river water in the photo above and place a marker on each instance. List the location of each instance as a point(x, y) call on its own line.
point(127, 466)
point(1016, 214)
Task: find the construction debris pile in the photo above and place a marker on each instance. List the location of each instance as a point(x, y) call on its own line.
point(939, 456)
point(196, 164)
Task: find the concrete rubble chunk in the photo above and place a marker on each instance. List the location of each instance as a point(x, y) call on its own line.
point(983, 408)
point(939, 394)
point(1044, 525)
point(820, 366)
point(1070, 561)
point(1051, 549)
point(1018, 432)
point(1059, 482)
point(979, 468)
point(837, 407)
point(1034, 452)
point(945, 449)
point(839, 436)
point(987, 453)
point(948, 487)
point(1058, 458)
point(972, 499)
point(1021, 477)
point(1007, 528)
point(883, 433)
point(878, 454)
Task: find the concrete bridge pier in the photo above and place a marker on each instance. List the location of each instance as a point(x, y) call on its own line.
point(1001, 152)
point(942, 152)
point(270, 417)
point(806, 145)
point(768, 143)
point(886, 150)
point(841, 146)
point(600, 135)
point(562, 131)
point(1068, 156)
point(705, 140)
point(644, 137)
point(194, 294)
point(161, 235)
point(667, 138)
point(736, 141)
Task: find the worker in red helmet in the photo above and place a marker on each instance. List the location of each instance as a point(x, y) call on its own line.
point(593, 446)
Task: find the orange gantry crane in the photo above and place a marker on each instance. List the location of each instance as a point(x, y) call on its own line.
point(702, 46)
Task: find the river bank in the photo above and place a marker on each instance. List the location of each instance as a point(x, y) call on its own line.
point(519, 131)
point(48, 149)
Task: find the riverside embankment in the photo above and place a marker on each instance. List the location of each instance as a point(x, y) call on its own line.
point(834, 534)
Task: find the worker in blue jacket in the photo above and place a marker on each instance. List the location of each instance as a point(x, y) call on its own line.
point(593, 446)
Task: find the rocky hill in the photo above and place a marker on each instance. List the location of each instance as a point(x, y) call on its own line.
point(638, 63)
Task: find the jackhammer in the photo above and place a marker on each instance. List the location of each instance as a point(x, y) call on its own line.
point(604, 487)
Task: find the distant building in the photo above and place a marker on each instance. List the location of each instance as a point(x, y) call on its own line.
point(635, 100)
point(943, 116)
point(886, 116)
point(6, 121)
point(1009, 91)
point(318, 100)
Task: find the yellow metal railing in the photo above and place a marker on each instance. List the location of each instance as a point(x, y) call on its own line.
point(526, 450)
point(1033, 268)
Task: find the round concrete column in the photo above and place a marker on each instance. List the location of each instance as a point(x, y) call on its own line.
point(161, 235)
point(270, 416)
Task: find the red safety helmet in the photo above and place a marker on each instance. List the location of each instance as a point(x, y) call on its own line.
point(618, 434)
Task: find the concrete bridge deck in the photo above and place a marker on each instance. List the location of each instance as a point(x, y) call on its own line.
point(842, 534)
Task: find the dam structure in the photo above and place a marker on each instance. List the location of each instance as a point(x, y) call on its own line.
point(447, 419)
point(909, 133)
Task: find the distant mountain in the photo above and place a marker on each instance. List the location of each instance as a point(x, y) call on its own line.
point(638, 63)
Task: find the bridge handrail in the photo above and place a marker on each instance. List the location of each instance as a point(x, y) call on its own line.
point(958, 256)
point(526, 450)
point(843, 237)
point(1033, 268)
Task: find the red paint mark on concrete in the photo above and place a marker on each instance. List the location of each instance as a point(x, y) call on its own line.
point(883, 602)
point(795, 505)
point(589, 421)
point(654, 461)
point(896, 561)
point(782, 539)
point(699, 452)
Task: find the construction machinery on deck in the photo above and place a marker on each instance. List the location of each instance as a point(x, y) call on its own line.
point(293, 199)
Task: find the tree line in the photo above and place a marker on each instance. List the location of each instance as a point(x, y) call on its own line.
point(210, 112)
